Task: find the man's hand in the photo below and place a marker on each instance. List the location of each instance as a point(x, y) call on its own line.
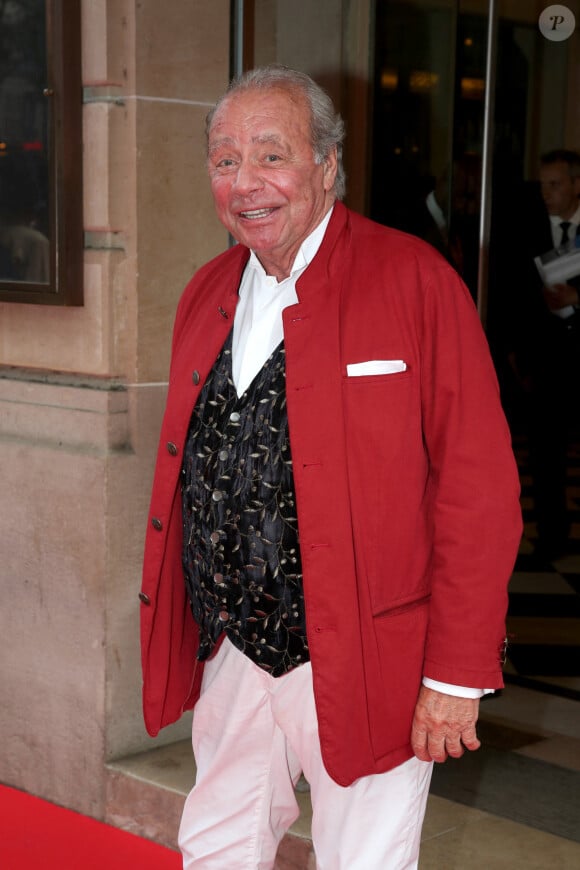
point(443, 725)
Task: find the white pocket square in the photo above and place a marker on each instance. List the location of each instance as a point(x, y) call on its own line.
point(376, 367)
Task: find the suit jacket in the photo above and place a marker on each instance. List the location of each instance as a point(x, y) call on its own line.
point(407, 492)
point(544, 344)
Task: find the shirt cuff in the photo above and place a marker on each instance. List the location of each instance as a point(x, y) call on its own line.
point(457, 691)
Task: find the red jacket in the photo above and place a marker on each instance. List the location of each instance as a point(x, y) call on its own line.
point(407, 490)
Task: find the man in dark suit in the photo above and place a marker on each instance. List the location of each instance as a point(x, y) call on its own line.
point(546, 342)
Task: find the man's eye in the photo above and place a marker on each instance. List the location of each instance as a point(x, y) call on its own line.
point(224, 163)
point(272, 158)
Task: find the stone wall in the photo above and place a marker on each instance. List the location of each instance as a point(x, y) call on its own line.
point(81, 398)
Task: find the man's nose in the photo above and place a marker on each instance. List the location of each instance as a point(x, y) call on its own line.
point(247, 177)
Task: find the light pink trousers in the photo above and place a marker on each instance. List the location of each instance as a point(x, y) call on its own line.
point(252, 737)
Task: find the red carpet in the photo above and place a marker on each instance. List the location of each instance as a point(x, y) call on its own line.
point(36, 835)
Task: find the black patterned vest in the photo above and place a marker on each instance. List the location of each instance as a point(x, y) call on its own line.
point(241, 555)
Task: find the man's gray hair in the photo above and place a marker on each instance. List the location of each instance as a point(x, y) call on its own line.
point(326, 125)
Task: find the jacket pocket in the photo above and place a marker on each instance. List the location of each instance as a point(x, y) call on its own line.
point(402, 606)
point(394, 669)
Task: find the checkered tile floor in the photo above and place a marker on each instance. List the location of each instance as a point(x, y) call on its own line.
point(526, 777)
point(544, 609)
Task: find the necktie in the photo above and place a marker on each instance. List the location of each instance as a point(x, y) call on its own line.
point(564, 226)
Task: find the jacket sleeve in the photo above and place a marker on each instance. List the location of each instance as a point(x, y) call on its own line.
point(474, 490)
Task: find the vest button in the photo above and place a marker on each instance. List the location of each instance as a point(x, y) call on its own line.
point(172, 448)
point(144, 598)
point(195, 377)
point(157, 524)
point(235, 417)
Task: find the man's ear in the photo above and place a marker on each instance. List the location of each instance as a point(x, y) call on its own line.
point(330, 168)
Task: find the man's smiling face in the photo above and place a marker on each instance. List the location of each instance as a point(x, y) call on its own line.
point(268, 190)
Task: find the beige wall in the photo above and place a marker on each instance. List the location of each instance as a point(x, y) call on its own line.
point(81, 397)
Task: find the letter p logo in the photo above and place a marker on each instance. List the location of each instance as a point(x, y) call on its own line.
point(557, 23)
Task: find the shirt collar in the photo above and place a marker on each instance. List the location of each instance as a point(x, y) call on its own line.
point(556, 220)
point(306, 253)
point(436, 211)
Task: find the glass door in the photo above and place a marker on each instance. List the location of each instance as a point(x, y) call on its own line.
point(466, 96)
point(472, 101)
point(413, 116)
point(448, 105)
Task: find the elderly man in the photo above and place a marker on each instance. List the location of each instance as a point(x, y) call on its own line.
point(335, 508)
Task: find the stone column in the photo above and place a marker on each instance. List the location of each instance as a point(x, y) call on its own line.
point(81, 398)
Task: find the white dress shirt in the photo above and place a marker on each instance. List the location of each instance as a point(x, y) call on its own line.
point(258, 321)
point(436, 213)
point(557, 232)
point(258, 331)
